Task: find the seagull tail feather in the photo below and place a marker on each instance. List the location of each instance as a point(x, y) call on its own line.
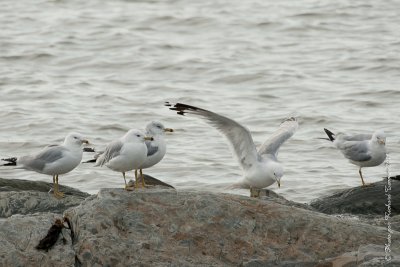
point(330, 134)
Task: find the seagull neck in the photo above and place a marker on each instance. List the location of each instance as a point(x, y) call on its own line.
point(73, 146)
point(373, 142)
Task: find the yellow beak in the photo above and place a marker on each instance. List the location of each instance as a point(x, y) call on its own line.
point(279, 184)
point(380, 141)
point(84, 141)
point(148, 138)
point(168, 130)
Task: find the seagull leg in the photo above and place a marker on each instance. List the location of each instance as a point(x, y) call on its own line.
point(254, 192)
point(126, 185)
point(141, 176)
point(54, 184)
point(57, 193)
point(362, 179)
point(123, 174)
point(136, 179)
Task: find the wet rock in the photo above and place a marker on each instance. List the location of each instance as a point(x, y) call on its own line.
point(269, 195)
point(150, 181)
point(164, 227)
point(28, 197)
point(367, 255)
point(159, 227)
point(368, 200)
point(19, 185)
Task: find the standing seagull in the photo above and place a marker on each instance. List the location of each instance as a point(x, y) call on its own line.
point(363, 150)
point(261, 168)
point(54, 160)
point(125, 154)
point(156, 148)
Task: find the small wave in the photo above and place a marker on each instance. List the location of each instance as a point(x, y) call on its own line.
point(240, 78)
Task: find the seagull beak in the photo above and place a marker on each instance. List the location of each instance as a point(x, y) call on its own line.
point(84, 141)
point(168, 130)
point(381, 141)
point(148, 138)
point(279, 183)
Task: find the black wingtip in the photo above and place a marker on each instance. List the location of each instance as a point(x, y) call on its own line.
point(10, 161)
point(180, 108)
point(330, 134)
point(90, 161)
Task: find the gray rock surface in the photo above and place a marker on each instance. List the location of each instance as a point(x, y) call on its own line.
point(20, 234)
point(369, 200)
point(163, 227)
point(368, 256)
point(19, 196)
point(159, 227)
point(269, 195)
point(19, 185)
point(28, 197)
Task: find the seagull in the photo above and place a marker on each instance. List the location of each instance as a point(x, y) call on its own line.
point(363, 150)
point(125, 154)
point(156, 148)
point(261, 168)
point(53, 160)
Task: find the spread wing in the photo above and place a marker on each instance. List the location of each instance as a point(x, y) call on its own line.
point(238, 136)
point(284, 132)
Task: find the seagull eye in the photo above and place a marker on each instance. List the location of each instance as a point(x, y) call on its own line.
point(138, 135)
point(75, 137)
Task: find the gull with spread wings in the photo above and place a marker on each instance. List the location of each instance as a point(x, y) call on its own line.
point(261, 168)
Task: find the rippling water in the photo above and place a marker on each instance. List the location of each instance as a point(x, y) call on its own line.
point(101, 67)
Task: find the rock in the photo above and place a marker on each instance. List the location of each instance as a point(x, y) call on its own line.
point(368, 200)
point(270, 195)
point(28, 197)
point(381, 221)
point(20, 234)
point(150, 181)
point(165, 227)
point(18, 185)
point(158, 227)
point(367, 255)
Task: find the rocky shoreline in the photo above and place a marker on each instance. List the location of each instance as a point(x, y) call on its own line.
point(161, 226)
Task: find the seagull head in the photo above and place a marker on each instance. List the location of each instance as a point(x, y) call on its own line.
point(75, 139)
point(156, 128)
point(276, 171)
point(379, 137)
point(137, 136)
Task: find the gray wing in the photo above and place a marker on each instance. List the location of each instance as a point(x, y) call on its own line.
point(112, 150)
point(238, 136)
point(284, 132)
point(48, 155)
point(357, 137)
point(355, 150)
point(151, 150)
